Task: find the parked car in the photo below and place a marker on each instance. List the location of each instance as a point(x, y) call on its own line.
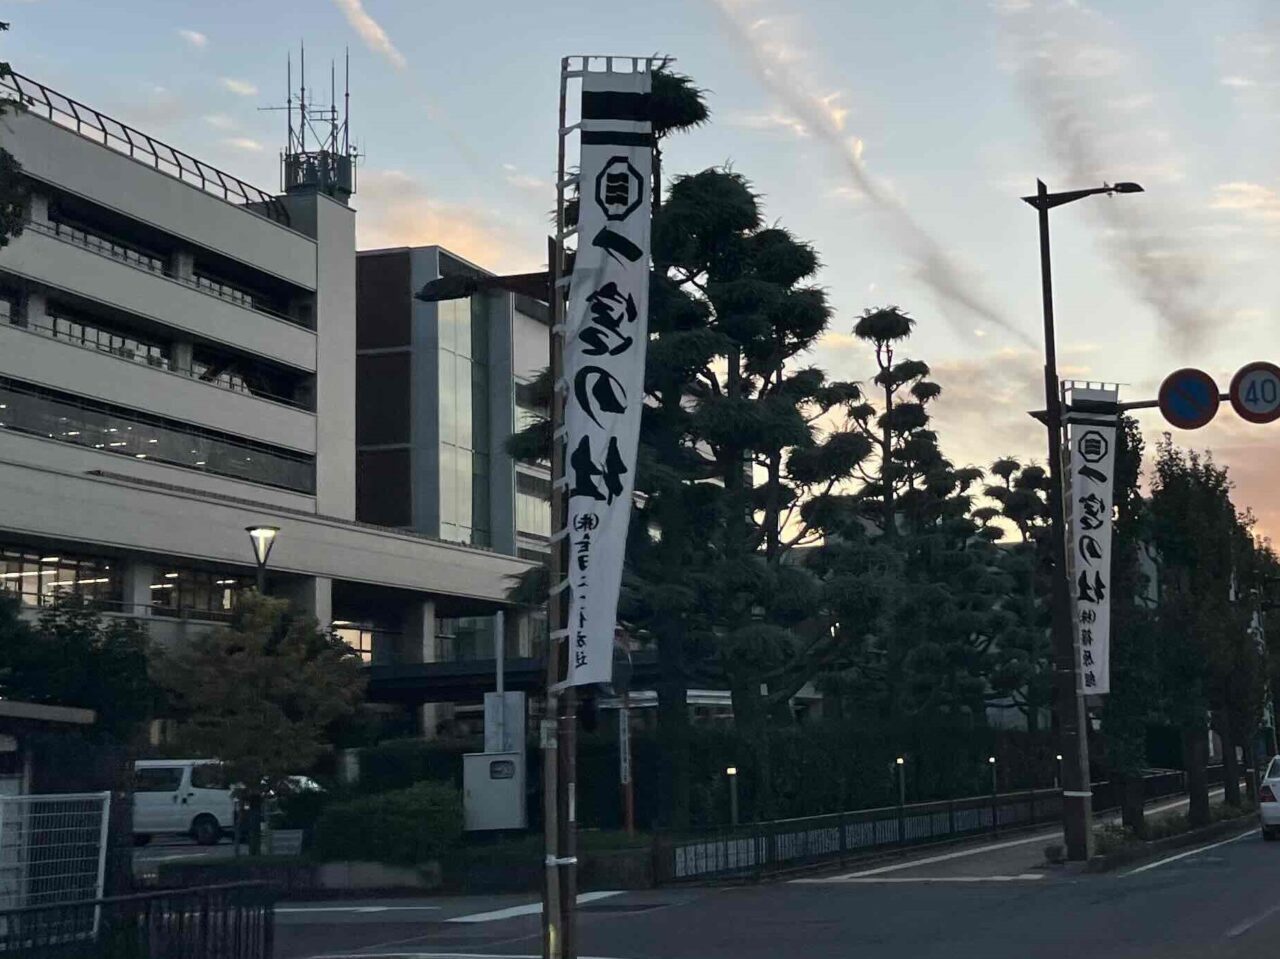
point(1269, 801)
point(181, 797)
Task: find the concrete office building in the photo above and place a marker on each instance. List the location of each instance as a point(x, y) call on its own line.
point(440, 387)
point(178, 362)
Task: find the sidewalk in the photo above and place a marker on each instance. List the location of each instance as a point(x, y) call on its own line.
point(992, 859)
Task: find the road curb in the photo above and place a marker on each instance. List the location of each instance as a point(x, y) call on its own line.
point(1157, 848)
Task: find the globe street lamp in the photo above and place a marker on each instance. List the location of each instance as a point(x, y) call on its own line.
point(263, 538)
point(732, 793)
point(1077, 812)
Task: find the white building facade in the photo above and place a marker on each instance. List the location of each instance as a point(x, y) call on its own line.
point(178, 362)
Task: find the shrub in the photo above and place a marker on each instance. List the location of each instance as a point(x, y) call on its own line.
point(404, 826)
point(399, 763)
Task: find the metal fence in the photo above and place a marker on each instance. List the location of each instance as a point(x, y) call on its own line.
point(234, 921)
point(97, 126)
point(52, 848)
point(777, 846)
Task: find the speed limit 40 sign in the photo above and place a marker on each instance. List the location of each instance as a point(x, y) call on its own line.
point(1255, 392)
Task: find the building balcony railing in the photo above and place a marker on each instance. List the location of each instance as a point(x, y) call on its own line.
point(100, 128)
point(144, 357)
point(155, 267)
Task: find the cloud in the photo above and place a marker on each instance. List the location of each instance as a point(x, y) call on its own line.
point(524, 181)
point(371, 32)
point(1250, 199)
point(1067, 61)
point(823, 114)
point(220, 121)
point(775, 121)
point(244, 143)
point(241, 87)
point(1238, 83)
point(395, 211)
point(195, 38)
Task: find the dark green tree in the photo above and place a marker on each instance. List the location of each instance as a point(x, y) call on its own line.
point(1023, 668)
point(75, 656)
point(13, 186)
point(1196, 534)
point(925, 554)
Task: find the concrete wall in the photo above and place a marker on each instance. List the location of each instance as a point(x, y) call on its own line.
point(73, 369)
point(113, 513)
point(334, 227)
point(65, 457)
point(65, 266)
point(424, 402)
point(59, 156)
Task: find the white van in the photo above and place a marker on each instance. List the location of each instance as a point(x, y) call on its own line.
point(183, 796)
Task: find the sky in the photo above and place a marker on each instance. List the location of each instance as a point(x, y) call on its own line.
point(895, 137)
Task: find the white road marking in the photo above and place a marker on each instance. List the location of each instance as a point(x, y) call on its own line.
point(1184, 855)
point(976, 851)
point(1248, 924)
point(871, 880)
point(530, 909)
point(353, 908)
point(435, 955)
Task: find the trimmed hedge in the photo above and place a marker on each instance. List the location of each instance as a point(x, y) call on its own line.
point(403, 826)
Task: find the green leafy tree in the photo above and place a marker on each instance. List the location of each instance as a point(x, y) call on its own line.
point(927, 563)
point(738, 436)
point(1197, 534)
point(74, 656)
point(13, 187)
point(1023, 671)
point(261, 695)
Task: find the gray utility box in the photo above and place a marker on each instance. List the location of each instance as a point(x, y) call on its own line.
point(493, 791)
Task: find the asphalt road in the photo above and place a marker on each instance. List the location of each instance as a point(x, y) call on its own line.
point(994, 901)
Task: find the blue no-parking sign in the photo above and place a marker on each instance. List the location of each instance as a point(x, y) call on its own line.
point(1189, 398)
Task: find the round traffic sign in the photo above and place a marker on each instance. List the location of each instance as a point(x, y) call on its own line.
point(1255, 392)
point(1189, 398)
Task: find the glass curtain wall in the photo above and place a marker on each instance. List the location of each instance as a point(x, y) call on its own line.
point(464, 420)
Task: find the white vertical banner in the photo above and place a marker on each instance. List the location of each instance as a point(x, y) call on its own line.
point(606, 333)
point(1091, 418)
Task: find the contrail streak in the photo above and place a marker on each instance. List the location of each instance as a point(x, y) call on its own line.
point(932, 265)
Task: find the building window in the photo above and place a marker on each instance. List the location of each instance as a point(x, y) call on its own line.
point(464, 420)
point(107, 246)
point(533, 505)
point(224, 290)
point(38, 577)
point(64, 324)
point(111, 429)
point(463, 638)
point(196, 593)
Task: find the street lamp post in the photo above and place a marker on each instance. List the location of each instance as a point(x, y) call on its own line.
point(732, 773)
point(995, 796)
point(263, 537)
point(901, 764)
point(1076, 806)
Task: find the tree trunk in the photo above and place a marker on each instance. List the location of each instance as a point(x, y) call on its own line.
point(1230, 765)
point(673, 728)
point(1195, 757)
point(751, 722)
point(886, 465)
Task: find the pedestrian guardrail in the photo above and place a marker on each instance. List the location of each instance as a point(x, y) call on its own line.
point(779, 845)
point(234, 921)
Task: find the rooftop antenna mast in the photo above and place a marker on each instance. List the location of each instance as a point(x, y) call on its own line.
point(326, 164)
